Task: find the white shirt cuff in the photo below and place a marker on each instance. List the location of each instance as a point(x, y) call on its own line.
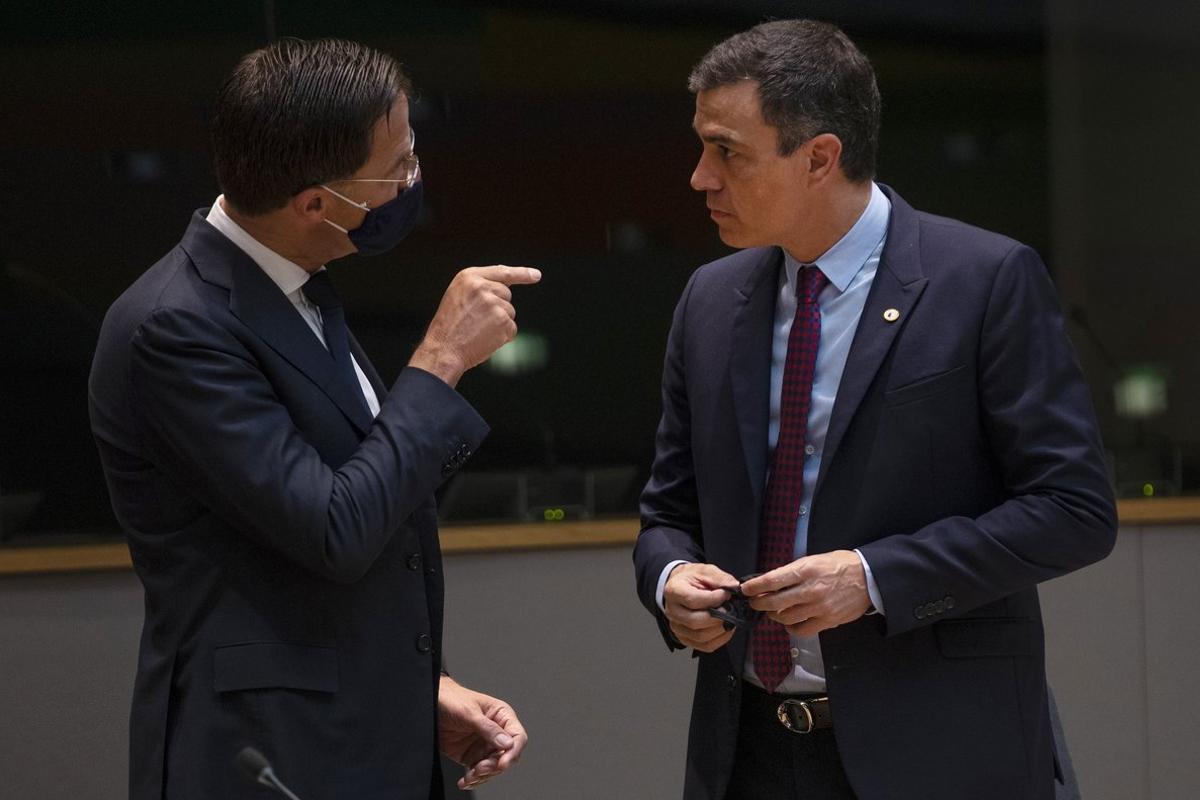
point(662, 582)
point(872, 589)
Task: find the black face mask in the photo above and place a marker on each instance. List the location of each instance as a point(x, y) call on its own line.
point(384, 226)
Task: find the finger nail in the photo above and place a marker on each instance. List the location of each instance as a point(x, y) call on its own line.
point(536, 274)
point(503, 740)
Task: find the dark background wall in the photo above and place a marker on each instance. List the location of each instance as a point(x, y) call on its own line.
point(557, 138)
point(1124, 125)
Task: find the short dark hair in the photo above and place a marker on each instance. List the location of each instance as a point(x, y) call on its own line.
point(298, 113)
point(811, 80)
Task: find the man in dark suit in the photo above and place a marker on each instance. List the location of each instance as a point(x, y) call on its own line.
point(879, 411)
point(277, 495)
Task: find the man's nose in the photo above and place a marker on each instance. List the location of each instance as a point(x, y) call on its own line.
point(703, 179)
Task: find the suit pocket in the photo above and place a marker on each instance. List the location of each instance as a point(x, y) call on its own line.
point(275, 665)
point(926, 387)
point(985, 637)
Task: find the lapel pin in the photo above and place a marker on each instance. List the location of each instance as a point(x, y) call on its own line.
point(891, 315)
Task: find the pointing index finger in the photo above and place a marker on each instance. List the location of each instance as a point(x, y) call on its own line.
point(509, 276)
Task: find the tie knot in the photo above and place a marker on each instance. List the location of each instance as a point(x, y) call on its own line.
point(811, 282)
point(319, 290)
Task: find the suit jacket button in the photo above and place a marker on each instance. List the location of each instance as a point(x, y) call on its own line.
point(731, 682)
point(939, 607)
point(414, 561)
point(949, 601)
point(919, 612)
point(424, 643)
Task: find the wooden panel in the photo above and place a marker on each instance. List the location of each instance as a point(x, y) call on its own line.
point(1159, 511)
point(511, 537)
point(538, 536)
point(455, 539)
point(65, 558)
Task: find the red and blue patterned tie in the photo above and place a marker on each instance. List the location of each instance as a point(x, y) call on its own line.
point(785, 488)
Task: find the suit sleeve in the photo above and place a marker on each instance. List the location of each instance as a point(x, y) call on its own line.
point(1039, 425)
point(225, 436)
point(670, 509)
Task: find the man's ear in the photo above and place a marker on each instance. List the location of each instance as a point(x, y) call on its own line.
point(310, 205)
point(825, 154)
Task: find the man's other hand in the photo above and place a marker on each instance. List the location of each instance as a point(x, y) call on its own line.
point(479, 732)
point(690, 591)
point(813, 593)
point(475, 319)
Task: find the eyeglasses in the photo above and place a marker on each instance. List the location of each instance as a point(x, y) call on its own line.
point(410, 167)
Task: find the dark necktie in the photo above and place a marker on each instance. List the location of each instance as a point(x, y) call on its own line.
point(319, 290)
point(785, 488)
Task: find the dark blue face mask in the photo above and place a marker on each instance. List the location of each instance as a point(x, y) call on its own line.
point(384, 226)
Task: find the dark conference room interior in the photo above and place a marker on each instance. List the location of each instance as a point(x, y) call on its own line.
point(558, 135)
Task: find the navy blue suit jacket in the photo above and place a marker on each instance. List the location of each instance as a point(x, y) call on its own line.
point(962, 459)
point(287, 542)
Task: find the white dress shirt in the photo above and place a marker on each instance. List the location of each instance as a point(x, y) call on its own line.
point(290, 278)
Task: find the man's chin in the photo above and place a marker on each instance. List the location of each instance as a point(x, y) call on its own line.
point(733, 238)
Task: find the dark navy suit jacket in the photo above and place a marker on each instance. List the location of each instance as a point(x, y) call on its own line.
point(962, 459)
point(287, 542)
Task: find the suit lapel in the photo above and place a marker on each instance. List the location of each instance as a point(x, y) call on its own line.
point(368, 369)
point(261, 306)
point(750, 347)
point(898, 285)
point(750, 363)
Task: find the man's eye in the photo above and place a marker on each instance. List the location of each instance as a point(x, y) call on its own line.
point(725, 151)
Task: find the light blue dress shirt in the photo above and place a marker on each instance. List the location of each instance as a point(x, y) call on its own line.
point(850, 266)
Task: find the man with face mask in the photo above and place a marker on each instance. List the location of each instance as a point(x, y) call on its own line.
point(277, 495)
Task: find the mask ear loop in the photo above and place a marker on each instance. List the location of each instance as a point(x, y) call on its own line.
point(341, 196)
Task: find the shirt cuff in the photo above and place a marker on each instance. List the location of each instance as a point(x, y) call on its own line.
point(662, 582)
point(872, 589)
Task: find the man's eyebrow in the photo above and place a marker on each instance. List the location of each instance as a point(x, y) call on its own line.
point(723, 139)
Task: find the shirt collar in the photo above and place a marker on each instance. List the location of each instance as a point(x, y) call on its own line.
point(287, 275)
point(842, 262)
